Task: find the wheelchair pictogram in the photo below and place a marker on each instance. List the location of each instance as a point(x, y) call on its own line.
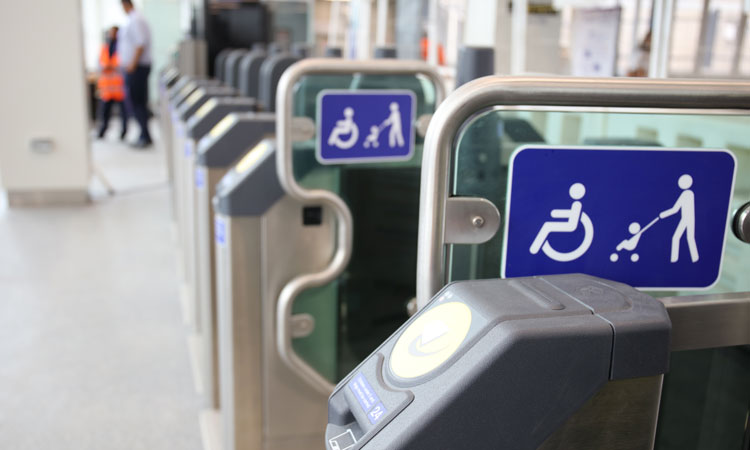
point(344, 127)
point(575, 217)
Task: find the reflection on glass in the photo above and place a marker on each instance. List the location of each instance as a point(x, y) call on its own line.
point(706, 400)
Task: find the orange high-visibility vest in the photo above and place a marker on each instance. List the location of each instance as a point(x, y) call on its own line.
point(425, 45)
point(111, 84)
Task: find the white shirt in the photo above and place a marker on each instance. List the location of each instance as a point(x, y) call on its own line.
point(135, 33)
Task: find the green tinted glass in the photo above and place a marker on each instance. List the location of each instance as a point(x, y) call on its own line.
point(367, 303)
point(706, 400)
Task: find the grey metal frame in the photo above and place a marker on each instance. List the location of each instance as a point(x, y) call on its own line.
point(709, 96)
point(709, 321)
point(285, 170)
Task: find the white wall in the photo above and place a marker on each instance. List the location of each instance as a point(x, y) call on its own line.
point(166, 31)
point(43, 95)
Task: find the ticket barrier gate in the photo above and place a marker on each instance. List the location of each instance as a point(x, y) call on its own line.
point(226, 143)
point(184, 88)
point(334, 52)
point(270, 72)
point(265, 237)
point(220, 63)
point(514, 359)
point(185, 107)
point(302, 49)
point(703, 402)
point(491, 387)
point(216, 153)
point(178, 94)
point(232, 67)
point(183, 154)
point(198, 125)
point(249, 72)
point(167, 79)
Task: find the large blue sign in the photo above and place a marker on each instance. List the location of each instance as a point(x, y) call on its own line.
point(365, 126)
point(651, 218)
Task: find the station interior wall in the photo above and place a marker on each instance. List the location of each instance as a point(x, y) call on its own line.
point(44, 96)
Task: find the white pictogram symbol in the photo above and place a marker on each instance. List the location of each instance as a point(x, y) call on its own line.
point(396, 134)
point(344, 127)
point(574, 217)
point(343, 441)
point(432, 332)
point(685, 205)
point(346, 132)
point(372, 138)
point(631, 243)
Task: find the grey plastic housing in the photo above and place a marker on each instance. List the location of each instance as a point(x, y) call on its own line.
point(301, 49)
point(270, 73)
point(385, 53)
point(224, 149)
point(169, 76)
point(249, 75)
point(185, 110)
point(274, 48)
point(473, 63)
point(232, 67)
point(537, 349)
point(334, 52)
point(191, 86)
point(198, 126)
point(220, 63)
point(175, 89)
point(252, 192)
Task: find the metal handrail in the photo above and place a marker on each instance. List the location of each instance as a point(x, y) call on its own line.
point(285, 171)
point(487, 92)
point(709, 321)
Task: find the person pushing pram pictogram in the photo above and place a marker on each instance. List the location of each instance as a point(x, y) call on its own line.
point(395, 134)
point(685, 206)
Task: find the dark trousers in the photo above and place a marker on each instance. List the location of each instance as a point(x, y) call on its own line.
point(106, 114)
point(137, 96)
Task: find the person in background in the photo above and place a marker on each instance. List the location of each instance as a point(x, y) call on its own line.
point(425, 48)
point(135, 58)
point(111, 85)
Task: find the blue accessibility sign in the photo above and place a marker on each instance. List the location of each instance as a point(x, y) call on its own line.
point(365, 126)
point(653, 218)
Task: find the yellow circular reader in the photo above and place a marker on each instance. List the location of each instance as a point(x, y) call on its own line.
point(431, 340)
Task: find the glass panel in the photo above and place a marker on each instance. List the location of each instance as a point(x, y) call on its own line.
point(706, 401)
point(480, 166)
point(367, 303)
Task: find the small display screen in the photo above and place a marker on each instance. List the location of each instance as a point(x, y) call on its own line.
point(368, 399)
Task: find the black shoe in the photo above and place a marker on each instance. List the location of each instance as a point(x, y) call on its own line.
point(142, 144)
point(100, 135)
point(123, 135)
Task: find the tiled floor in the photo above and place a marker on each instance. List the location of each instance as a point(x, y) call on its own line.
point(92, 343)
